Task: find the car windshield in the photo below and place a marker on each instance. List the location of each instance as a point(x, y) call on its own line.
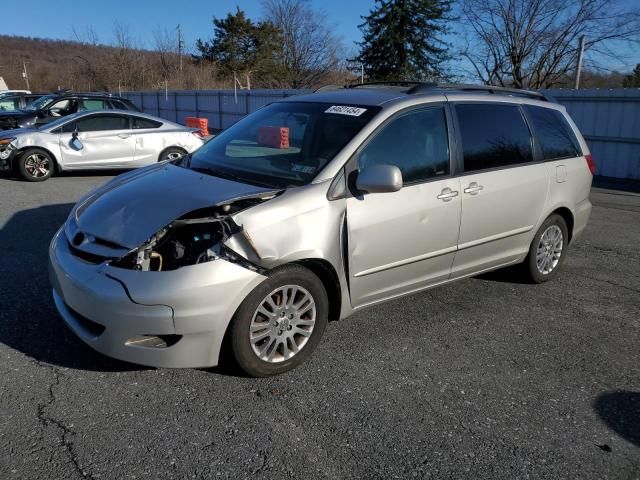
point(39, 103)
point(284, 144)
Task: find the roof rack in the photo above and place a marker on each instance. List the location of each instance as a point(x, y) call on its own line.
point(429, 87)
point(390, 83)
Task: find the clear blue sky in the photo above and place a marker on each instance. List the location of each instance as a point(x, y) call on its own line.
point(56, 18)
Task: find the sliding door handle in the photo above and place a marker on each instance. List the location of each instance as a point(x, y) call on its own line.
point(447, 194)
point(473, 188)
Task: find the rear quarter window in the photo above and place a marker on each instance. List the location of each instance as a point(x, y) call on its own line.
point(140, 123)
point(493, 135)
point(553, 133)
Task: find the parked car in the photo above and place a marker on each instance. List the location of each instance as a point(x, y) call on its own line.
point(313, 208)
point(11, 92)
point(50, 107)
point(94, 140)
point(17, 101)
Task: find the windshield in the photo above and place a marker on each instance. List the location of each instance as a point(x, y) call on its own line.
point(284, 144)
point(39, 103)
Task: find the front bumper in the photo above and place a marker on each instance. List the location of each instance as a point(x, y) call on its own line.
point(7, 154)
point(109, 308)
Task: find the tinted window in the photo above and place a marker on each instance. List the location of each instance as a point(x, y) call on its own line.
point(93, 104)
point(553, 133)
point(98, 123)
point(9, 104)
point(139, 122)
point(415, 142)
point(493, 135)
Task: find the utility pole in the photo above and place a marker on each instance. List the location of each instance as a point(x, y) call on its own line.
point(579, 67)
point(362, 73)
point(25, 75)
point(180, 44)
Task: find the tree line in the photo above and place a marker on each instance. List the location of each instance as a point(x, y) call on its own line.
point(518, 43)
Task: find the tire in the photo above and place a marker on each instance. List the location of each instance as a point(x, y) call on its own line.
point(547, 255)
point(172, 153)
point(253, 332)
point(35, 165)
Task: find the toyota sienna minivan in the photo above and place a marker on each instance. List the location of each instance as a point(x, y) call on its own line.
point(313, 208)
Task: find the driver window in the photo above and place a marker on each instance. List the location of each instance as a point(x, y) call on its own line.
point(416, 142)
point(98, 123)
point(63, 108)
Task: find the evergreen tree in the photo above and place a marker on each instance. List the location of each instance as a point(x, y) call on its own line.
point(633, 80)
point(240, 45)
point(401, 40)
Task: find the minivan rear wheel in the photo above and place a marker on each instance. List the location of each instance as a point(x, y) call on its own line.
point(547, 250)
point(280, 323)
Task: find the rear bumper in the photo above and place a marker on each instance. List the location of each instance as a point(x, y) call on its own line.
point(110, 309)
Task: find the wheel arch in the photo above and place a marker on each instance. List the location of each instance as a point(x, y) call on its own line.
point(177, 147)
point(20, 152)
point(567, 216)
point(330, 280)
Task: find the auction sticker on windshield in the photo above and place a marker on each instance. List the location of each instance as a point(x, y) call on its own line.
point(345, 110)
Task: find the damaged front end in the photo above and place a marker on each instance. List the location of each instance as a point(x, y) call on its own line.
point(195, 238)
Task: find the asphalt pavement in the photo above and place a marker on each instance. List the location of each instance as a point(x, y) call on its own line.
point(485, 378)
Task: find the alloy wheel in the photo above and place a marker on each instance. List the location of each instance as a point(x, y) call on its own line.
point(37, 165)
point(282, 324)
point(549, 249)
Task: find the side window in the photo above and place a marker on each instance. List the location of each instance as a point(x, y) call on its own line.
point(64, 107)
point(9, 104)
point(99, 123)
point(120, 105)
point(416, 142)
point(553, 133)
point(92, 104)
point(139, 122)
point(493, 135)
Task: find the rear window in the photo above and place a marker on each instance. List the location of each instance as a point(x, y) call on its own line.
point(493, 135)
point(554, 135)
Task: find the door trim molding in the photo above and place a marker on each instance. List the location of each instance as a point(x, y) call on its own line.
point(406, 261)
point(493, 238)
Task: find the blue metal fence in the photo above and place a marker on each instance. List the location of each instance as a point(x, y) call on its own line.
point(608, 119)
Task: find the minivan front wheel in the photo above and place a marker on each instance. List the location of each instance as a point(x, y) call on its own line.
point(547, 250)
point(280, 323)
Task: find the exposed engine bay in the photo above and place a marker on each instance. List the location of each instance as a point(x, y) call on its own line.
point(197, 237)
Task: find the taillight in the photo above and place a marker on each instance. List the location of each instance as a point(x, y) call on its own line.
point(591, 164)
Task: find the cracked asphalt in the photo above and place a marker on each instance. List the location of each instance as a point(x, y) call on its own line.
point(485, 378)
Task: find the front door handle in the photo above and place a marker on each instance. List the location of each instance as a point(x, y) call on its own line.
point(473, 188)
point(124, 135)
point(447, 194)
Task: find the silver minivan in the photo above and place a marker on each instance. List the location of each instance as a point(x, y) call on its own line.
point(315, 207)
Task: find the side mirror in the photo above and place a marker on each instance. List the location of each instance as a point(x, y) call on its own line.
point(379, 179)
point(41, 114)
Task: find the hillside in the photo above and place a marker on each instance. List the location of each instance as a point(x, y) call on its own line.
point(68, 64)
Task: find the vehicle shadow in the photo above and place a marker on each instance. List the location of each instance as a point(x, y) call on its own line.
point(29, 322)
point(512, 274)
point(620, 410)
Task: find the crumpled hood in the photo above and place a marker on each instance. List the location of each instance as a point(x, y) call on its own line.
point(132, 207)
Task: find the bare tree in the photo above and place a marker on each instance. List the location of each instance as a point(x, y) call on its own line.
point(311, 51)
point(534, 43)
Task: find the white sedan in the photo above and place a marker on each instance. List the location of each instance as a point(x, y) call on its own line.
point(110, 139)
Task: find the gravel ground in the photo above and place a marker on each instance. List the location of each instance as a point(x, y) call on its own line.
point(485, 378)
